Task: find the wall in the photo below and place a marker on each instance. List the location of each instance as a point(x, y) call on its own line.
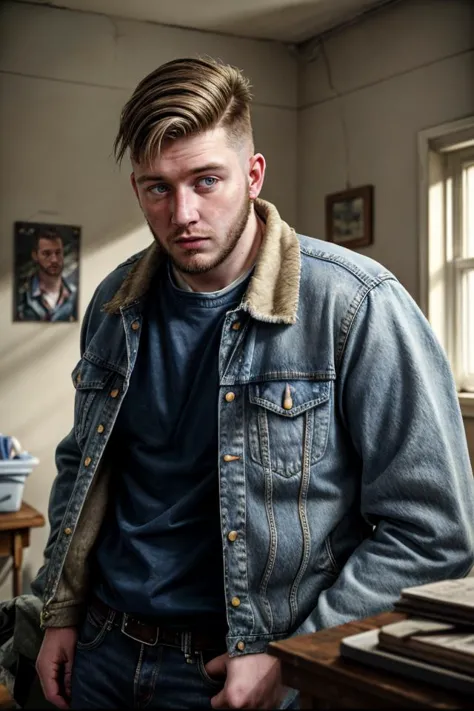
point(403, 69)
point(64, 77)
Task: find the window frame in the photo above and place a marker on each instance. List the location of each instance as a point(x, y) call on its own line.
point(459, 265)
point(442, 150)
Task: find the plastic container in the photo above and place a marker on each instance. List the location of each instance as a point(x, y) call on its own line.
point(13, 473)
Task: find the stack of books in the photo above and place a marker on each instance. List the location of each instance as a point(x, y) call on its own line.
point(435, 643)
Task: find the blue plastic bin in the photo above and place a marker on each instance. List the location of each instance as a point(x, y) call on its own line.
point(13, 473)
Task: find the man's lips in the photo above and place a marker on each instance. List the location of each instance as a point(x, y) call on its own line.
point(191, 242)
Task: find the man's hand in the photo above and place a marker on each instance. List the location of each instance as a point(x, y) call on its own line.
point(54, 664)
point(252, 681)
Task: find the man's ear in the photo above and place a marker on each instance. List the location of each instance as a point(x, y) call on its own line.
point(134, 185)
point(34, 255)
point(257, 167)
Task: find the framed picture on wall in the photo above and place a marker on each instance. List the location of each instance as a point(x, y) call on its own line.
point(349, 217)
point(46, 272)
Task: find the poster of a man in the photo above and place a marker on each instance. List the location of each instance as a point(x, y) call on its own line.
point(46, 272)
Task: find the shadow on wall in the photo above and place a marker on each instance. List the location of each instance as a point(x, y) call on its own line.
point(46, 338)
point(301, 16)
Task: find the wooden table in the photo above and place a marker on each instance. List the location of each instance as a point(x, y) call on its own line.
point(312, 664)
point(15, 535)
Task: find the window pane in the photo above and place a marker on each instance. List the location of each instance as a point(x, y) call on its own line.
point(468, 328)
point(468, 202)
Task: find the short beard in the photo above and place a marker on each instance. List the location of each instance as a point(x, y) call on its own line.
point(233, 238)
point(49, 272)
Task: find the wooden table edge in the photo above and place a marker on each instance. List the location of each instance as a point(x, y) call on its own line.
point(26, 517)
point(392, 688)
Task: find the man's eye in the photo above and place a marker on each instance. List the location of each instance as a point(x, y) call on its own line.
point(158, 189)
point(207, 182)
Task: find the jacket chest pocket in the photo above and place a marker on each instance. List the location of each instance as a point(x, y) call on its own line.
point(288, 424)
point(90, 380)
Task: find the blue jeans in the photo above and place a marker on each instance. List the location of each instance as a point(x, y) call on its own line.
point(113, 671)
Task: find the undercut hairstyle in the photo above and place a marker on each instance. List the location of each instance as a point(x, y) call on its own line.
point(182, 98)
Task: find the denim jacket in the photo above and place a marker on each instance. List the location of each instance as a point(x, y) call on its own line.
point(344, 474)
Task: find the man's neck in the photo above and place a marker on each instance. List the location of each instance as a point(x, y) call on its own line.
point(48, 282)
point(239, 262)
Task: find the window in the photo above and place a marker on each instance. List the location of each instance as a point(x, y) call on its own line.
point(447, 245)
point(459, 195)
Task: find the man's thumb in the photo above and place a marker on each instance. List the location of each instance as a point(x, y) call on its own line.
point(217, 666)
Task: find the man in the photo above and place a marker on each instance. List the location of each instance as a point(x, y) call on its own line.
point(47, 296)
point(267, 438)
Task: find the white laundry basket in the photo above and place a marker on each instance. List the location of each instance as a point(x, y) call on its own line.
point(13, 473)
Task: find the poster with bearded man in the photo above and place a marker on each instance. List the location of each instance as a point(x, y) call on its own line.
point(46, 272)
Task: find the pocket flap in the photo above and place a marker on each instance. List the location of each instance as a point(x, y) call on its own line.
point(302, 395)
point(88, 376)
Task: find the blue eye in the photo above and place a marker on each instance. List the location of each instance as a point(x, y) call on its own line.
point(159, 189)
point(207, 182)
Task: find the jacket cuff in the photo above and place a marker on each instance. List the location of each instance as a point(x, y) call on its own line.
point(61, 615)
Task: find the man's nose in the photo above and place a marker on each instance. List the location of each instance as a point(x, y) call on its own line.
point(184, 208)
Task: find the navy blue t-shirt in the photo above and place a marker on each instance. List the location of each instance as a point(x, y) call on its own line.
point(159, 552)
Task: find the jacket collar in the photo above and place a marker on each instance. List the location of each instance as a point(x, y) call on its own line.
point(273, 292)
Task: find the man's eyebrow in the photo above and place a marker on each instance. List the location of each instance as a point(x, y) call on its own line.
point(208, 168)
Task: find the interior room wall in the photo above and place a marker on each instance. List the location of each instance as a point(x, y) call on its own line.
point(364, 94)
point(403, 69)
point(64, 77)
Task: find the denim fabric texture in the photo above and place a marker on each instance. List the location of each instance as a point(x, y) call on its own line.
point(343, 468)
point(167, 490)
point(113, 671)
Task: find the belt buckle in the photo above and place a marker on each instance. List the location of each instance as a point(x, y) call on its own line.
point(123, 629)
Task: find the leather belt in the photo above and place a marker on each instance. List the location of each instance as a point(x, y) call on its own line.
point(151, 634)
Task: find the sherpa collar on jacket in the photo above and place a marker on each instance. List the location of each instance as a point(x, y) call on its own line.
point(273, 292)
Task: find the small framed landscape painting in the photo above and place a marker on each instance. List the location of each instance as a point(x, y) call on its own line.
point(349, 217)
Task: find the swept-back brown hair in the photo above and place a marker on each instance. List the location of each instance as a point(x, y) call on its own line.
point(181, 98)
point(45, 233)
